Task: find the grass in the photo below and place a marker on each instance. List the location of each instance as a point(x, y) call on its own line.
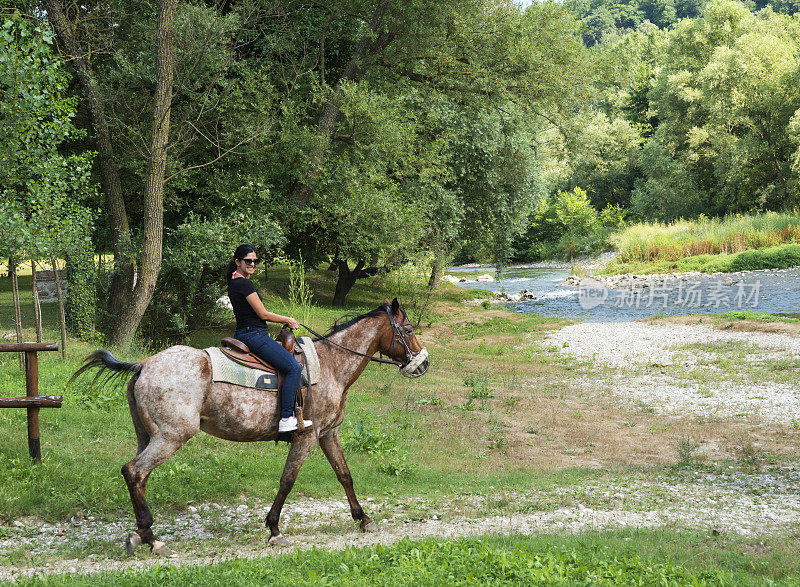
point(733, 243)
point(757, 316)
point(779, 257)
point(707, 236)
point(735, 362)
point(623, 557)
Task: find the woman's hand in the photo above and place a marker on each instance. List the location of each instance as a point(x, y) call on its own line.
point(258, 306)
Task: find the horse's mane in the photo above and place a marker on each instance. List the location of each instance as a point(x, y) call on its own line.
point(349, 319)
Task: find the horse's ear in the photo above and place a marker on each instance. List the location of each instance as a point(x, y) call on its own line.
point(395, 306)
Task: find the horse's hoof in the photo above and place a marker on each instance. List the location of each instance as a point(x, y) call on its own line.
point(278, 540)
point(161, 549)
point(370, 528)
point(132, 542)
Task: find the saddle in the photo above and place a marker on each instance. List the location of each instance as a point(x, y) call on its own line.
point(238, 352)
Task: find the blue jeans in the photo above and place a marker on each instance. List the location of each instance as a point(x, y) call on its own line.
point(262, 344)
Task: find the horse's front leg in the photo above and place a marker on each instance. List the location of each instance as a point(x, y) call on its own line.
point(332, 448)
point(299, 451)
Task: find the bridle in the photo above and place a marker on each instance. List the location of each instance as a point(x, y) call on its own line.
point(412, 361)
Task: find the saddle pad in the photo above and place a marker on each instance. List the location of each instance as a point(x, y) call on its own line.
point(311, 368)
point(228, 371)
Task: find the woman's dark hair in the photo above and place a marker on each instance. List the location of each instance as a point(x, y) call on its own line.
point(239, 253)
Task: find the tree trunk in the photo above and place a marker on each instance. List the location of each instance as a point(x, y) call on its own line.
point(37, 307)
point(344, 283)
point(122, 281)
point(128, 322)
point(347, 279)
point(61, 313)
point(437, 269)
point(371, 43)
point(12, 268)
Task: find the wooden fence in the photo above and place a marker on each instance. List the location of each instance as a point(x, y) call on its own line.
point(32, 400)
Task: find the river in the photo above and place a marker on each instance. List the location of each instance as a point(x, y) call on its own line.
point(770, 290)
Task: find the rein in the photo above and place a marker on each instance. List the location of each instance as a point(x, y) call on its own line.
point(371, 358)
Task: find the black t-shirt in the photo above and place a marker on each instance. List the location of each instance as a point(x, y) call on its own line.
point(238, 290)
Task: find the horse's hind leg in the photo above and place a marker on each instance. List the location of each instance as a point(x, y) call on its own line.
point(300, 449)
point(136, 473)
point(332, 448)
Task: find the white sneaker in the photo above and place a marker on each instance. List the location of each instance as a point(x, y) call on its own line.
point(290, 424)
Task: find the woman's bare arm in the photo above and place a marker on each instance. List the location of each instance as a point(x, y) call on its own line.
point(258, 306)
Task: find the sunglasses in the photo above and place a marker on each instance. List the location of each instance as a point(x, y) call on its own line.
point(251, 261)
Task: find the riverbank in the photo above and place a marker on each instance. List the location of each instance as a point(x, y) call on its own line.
point(779, 257)
point(633, 281)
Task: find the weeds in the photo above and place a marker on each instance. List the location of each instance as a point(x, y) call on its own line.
point(479, 386)
point(748, 455)
point(380, 447)
point(468, 405)
point(431, 400)
point(496, 438)
point(299, 291)
point(686, 448)
point(646, 243)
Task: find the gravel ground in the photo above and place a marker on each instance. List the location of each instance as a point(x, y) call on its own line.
point(737, 503)
point(674, 367)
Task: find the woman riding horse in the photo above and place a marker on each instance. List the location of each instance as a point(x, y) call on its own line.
point(251, 329)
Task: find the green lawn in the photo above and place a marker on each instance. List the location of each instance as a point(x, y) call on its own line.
point(626, 557)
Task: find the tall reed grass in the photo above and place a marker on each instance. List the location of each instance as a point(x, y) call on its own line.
point(647, 243)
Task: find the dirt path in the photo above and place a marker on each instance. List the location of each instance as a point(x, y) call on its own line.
point(749, 504)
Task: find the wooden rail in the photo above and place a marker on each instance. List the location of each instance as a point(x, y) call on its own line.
point(27, 347)
point(42, 401)
point(33, 401)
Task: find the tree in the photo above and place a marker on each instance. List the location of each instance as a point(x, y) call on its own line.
point(725, 94)
point(42, 211)
point(131, 79)
point(496, 174)
point(153, 231)
point(109, 172)
point(481, 57)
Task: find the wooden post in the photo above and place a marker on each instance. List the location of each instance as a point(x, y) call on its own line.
point(37, 307)
point(31, 391)
point(61, 314)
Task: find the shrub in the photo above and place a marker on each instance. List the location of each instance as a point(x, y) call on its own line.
point(575, 212)
point(196, 254)
point(81, 296)
point(567, 225)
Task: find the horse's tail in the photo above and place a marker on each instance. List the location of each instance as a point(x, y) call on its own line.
point(103, 360)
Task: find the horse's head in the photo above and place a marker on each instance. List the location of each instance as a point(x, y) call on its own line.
point(403, 345)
